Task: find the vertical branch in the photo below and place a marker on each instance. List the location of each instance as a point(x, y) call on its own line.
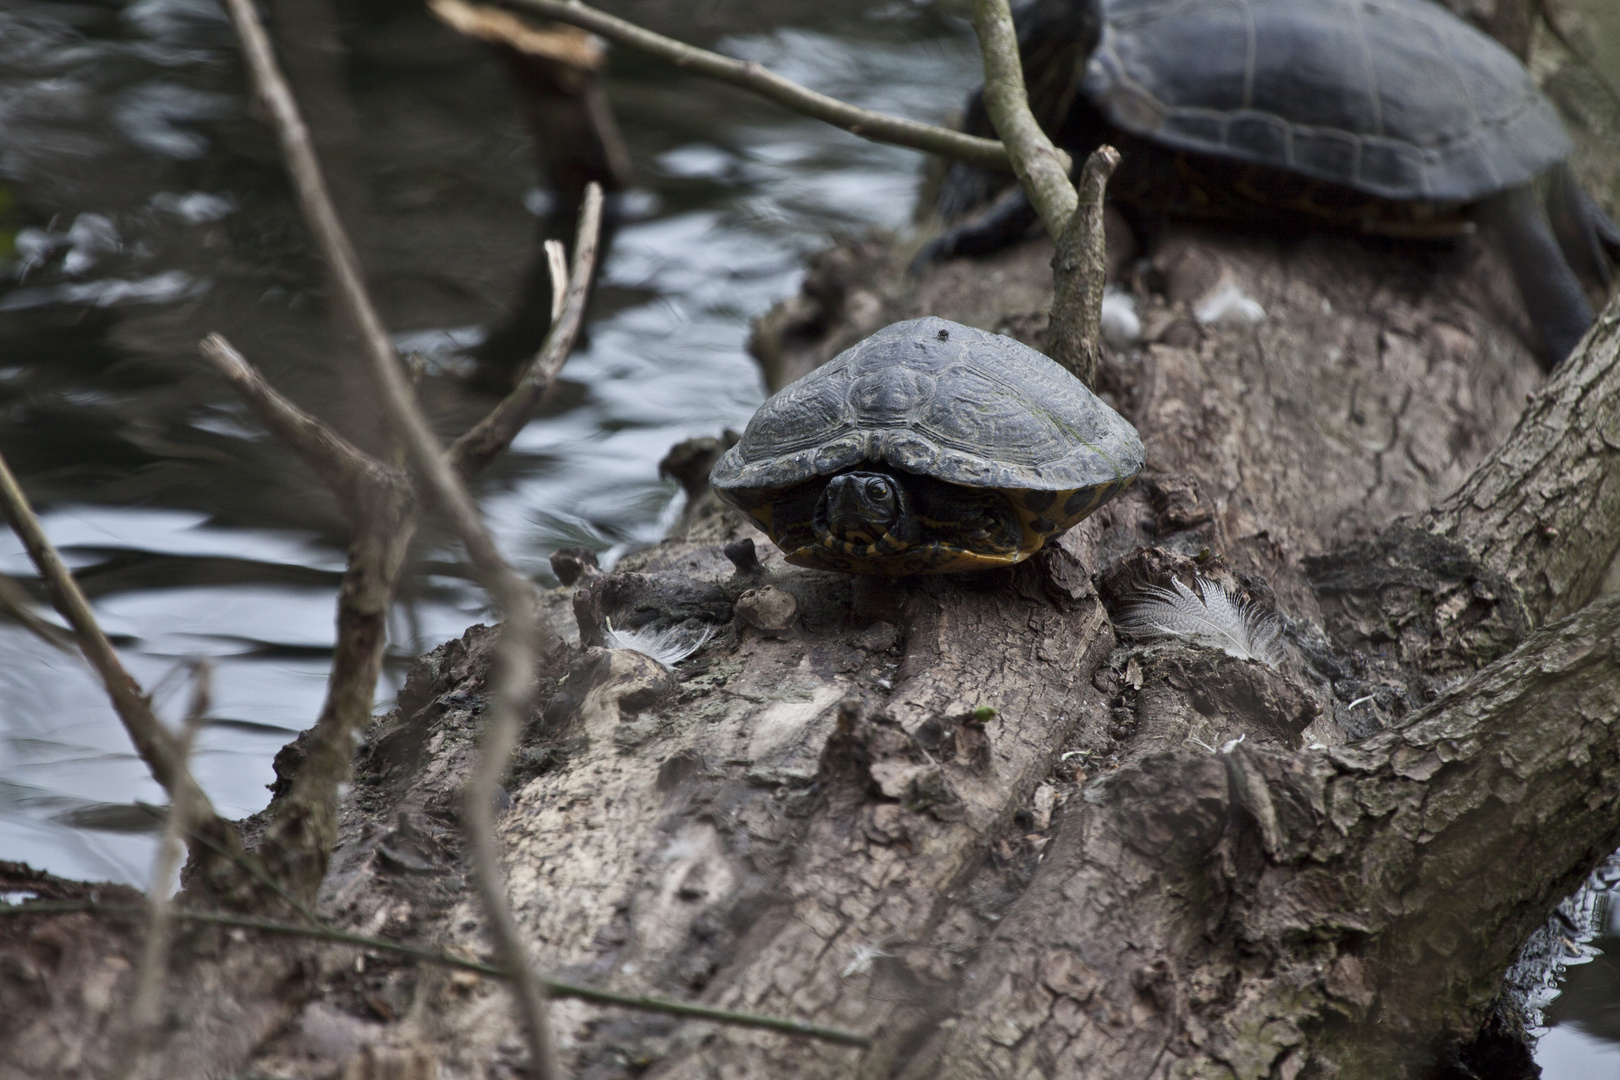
point(146, 999)
point(1035, 160)
point(557, 263)
point(569, 291)
point(1079, 274)
point(1073, 219)
point(523, 633)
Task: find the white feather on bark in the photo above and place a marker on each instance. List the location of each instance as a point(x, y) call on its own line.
point(669, 646)
point(1216, 619)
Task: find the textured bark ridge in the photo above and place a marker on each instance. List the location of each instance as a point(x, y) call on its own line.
point(1286, 910)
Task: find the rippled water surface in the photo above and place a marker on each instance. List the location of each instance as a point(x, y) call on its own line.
point(142, 205)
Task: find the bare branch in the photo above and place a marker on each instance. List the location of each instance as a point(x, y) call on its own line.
point(471, 453)
point(1041, 167)
point(749, 75)
point(16, 602)
point(557, 263)
point(565, 45)
point(517, 656)
point(1079, 274)
point(346, 469)
point(554, 987)
point(1073, 219)
point(158, 748)
point(146, 999)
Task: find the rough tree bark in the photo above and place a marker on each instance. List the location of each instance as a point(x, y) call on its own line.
point(956, 815)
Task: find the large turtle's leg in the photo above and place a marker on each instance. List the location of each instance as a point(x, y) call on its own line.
point(1005, 223)
point(1553, 295)
point(1587, 235)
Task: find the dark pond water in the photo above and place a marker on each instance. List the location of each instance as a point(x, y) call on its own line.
point(142, 206)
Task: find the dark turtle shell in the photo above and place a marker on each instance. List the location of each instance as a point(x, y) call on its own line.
point(968, 421)
point(1399, 99)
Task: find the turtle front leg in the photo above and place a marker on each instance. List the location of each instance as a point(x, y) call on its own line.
point(1005, 223)
point(1589, 237)
point(1553, 295)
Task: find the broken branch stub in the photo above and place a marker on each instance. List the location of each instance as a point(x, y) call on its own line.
point(1074, 219)
point(482, 443)
point(1080, 273)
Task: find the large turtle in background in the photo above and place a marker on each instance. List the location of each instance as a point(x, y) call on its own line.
point(928, 448)
point(1388, 116)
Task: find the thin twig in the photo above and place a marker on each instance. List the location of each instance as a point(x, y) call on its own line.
point(157, 746)
point(554, 987)
point(749, 75)
point(485, 440)
point(559, 44)
point(349, 472)
point(146, 999)
point(518, 652)
point(16, 602)
point(557, 263)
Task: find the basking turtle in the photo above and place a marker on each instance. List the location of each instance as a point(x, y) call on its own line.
point(927, 448)
point(1388, 116)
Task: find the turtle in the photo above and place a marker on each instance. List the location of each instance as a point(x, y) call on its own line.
point(1389, 117)
point(928, 448)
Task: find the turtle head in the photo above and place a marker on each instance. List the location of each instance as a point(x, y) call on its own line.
point(865, 509)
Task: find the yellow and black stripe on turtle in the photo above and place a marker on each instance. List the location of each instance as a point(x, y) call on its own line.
point(928, 448)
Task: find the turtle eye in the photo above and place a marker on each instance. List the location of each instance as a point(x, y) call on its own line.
point(877, 490)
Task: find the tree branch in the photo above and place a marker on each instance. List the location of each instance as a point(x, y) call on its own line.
point(1375, 891)
point(146, 997)
point(350, 473)
point(1080, 273)
point(1040, 166)
point(868, 124)
point(157, 746)
point(471, 453)
point(1544, 508)
point(517, 656)
point(1074, 219)
point(16, 602)
point(554, 987)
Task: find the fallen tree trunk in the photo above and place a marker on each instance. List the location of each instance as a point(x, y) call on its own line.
point(956, 816)
point(952, 815)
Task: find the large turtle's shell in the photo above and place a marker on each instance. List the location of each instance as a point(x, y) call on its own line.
point(1395, 98)
point(938, 400)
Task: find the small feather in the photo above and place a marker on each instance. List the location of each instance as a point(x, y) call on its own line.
point(1215, 619)
point(668, 646)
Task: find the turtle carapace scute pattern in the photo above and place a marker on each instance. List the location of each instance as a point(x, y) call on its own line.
point(929, 447)
point(1388, 117)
